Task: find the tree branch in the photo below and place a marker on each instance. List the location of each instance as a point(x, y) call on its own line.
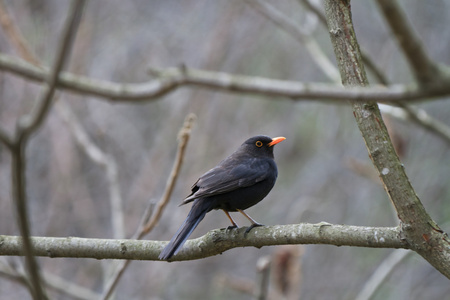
point(418, 229)
point(177, 77)
point(213, 243)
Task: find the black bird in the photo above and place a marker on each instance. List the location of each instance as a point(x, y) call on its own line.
point(241, 180)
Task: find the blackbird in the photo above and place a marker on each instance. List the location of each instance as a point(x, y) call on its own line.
point(241, 180)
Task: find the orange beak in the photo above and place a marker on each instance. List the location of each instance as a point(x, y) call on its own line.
point(276, 140)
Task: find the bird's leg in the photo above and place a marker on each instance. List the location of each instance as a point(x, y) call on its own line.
point(232, 221)
point(254, 223)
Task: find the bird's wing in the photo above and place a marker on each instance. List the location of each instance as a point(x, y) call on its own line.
point(227, 177)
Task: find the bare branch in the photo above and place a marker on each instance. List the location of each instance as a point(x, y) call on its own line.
point(213, 243)
point(174, 78)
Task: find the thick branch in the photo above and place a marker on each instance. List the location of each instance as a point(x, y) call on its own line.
point(419, 230)
point(170, 79)
point(213, 243)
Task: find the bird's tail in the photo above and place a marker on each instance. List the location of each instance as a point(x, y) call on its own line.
point(197, 213)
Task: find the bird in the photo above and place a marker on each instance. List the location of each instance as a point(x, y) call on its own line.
point(238, 182)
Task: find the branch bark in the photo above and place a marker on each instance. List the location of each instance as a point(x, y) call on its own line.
point(421, 233)
point(213, 243)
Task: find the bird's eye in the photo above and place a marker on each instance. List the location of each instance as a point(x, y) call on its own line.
point(258, 144)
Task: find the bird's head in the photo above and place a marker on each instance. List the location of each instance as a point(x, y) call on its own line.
point(261, 145)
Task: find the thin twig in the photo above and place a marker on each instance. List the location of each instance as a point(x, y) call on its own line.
point(147, 223)
point(183, 138)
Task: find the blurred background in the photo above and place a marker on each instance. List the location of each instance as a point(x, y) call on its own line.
point(324, 170)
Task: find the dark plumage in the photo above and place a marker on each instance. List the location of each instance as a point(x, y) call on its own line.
point(241, 180)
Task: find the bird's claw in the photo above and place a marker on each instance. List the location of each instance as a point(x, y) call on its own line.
point(231, 227)
point(251, 227)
